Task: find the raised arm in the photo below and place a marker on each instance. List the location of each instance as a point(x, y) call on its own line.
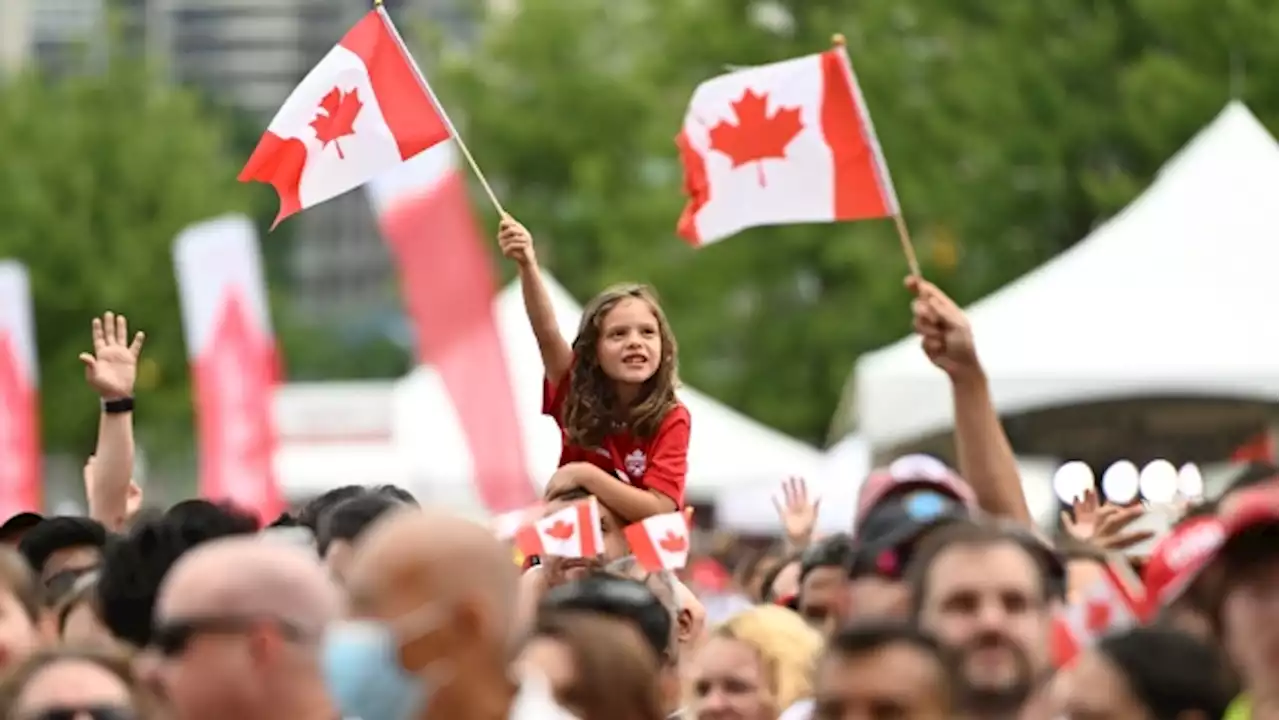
point(111, 370)
point(517, 244)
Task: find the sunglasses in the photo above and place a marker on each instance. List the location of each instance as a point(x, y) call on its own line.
point(93, 712)
point(171, 638)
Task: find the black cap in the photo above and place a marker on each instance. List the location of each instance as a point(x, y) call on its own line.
point(895, 523)
point(18, 524)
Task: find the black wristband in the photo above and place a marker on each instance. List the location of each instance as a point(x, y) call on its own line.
point(115, 407)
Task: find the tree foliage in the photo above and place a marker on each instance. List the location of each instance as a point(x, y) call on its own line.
point(1011, 129)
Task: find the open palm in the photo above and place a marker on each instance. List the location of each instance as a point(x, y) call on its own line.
point(112, 369)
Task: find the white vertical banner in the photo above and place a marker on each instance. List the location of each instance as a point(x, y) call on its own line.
point(232, 351)
point(20, 488)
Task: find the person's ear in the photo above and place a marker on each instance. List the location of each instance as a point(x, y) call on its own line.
point(685, 629)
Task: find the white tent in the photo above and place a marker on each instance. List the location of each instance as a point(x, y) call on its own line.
point(727, 449)
point(1174, 297)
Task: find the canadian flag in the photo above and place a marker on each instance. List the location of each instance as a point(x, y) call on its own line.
point(789, 142)
point(572, 532)
point(233, 357)
point(1105, 607)
point(20, 488)
point(363, 109)
point(660, 542)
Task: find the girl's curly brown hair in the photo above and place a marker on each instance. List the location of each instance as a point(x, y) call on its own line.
point(591, 409)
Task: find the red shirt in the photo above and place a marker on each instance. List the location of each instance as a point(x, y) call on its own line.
point(658, 463)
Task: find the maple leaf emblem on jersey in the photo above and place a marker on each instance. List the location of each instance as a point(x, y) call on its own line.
point(559, 530)
point(673, 543)
point(336, 117)
point(757, 135)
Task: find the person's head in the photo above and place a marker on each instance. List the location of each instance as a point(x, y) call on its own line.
point(754, 666)
point(432, 604)
point(20, 609)
point(781, 584)
point(986, 591)
point(624, 368)
point(69, 682)
point(823, 595)
point(62, 548)
point(598, 666)
point(16, 526)
point(312, 511)
point(1248, 612)
point(344, 523)
point(882, 670)
point(908, 473)
point(1148, 674)
point(238, 623)
point(78, 619)
point(133, 566)
point(623, 598)
point(560, 569)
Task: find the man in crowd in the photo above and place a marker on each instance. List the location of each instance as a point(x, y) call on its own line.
point(986, 592)
point(434, 597)
point(883, 670)
point(237, 632)
point(61, 549)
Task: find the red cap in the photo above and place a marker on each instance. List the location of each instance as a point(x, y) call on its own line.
point(912, 471)
point(1249, 508)
point(1178, 558)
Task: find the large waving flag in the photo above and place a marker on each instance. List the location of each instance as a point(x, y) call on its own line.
point(364, 109)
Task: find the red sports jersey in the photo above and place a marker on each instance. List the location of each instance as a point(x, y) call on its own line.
point(658, 463)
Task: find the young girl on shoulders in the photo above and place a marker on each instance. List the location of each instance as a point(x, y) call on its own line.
point(612, 391)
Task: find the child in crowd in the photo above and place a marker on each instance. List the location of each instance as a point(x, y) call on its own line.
point(625, 434)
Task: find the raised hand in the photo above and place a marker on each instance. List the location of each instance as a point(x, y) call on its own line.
point(944, 330)
point(515, 242)
point(112, 368)
point(1105, 525)
point(798, 514)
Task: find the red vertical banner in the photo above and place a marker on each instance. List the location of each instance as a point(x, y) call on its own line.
point(448, 284)
point(20, 488)
point(234, 361)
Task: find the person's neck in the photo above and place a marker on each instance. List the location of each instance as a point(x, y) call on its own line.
point(487, 697)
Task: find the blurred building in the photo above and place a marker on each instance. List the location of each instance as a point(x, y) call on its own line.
point(246, 54)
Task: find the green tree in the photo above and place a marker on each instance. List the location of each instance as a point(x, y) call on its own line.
point(101, 172)
point(1011, 129)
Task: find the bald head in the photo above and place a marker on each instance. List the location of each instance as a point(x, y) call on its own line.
point(434, 557)
point(251, 576)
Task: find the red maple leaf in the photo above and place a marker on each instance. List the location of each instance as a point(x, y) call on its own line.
point(672, 542)
point(757, 135)
point(559, 530)
point(336, 117)
point(1097, 616)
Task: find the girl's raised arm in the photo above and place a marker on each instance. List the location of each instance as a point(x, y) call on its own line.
point(517, 244)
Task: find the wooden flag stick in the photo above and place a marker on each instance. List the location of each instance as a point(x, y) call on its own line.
point(900, 224)
point(444, 116)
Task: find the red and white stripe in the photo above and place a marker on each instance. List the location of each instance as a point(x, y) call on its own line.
point(234, 366)
point(20, 488)
point(571, 532)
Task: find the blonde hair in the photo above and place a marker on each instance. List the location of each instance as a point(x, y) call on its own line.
point(787, 648)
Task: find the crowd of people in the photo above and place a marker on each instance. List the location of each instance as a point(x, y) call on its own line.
point(943, 601)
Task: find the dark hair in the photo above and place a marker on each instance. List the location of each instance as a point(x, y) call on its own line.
point(866, 637)
point(571, 493)
point(310, 513)
point(396, 493)
point(615, 675)
point(134, 566)
point(591, 406)
point(833, 551)
point(352, 516)
point(59, 533)
point(769, 578)
point(618, 597)
point(970, 534)
point(1170, 672)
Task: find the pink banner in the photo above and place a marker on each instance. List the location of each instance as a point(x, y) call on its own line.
point(234, 362)
point(20, 488)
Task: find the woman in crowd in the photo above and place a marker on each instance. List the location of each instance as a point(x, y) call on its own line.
point(67, 683)
point(598, 667)
point(613, 392)
point(754, 666)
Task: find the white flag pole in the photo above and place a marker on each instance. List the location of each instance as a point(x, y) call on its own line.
point(426, 87)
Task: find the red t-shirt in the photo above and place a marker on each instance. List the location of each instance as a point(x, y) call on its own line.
point(658, 463)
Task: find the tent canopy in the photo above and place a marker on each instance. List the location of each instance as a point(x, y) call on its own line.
point(727, 449)
point(1172, 299)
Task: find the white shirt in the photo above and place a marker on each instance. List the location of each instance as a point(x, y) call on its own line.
point(534, 701)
